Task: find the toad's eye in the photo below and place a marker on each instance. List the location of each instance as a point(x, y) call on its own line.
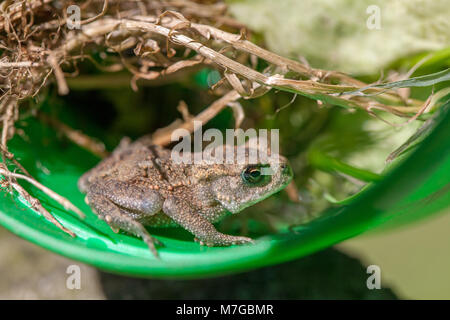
point(253, 176)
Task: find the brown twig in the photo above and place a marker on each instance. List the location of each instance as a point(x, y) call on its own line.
point(34, 203)
point(60, 199)
point(163, 136)
point(76, 136)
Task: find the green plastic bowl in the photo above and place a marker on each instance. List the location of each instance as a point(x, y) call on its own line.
point(417, 186)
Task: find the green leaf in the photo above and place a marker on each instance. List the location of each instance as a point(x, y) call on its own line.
point(327, 163)
point(421, 81)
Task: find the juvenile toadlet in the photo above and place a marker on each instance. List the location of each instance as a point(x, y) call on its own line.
point(140, 185)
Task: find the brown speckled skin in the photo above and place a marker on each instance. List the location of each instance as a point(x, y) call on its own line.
point(139, 184)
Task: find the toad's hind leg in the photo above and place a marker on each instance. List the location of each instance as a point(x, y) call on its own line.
point(113, 210)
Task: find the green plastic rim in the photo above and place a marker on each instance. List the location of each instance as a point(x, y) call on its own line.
point(418, 186)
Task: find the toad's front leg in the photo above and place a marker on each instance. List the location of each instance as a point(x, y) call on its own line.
point(183, 214)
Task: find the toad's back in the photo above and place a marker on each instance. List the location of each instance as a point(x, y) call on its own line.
point(142, 164)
